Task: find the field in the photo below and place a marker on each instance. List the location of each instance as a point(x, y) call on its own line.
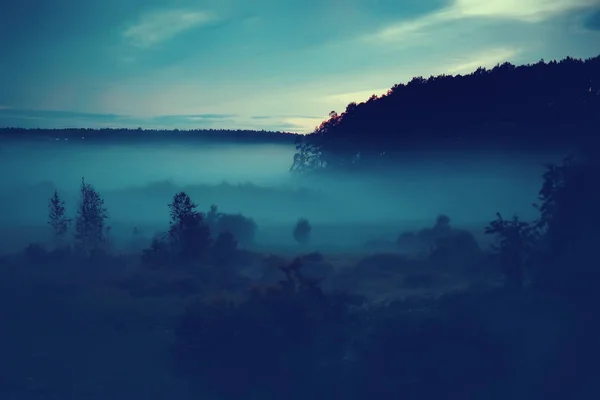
point(103, 329)
point(383, 297)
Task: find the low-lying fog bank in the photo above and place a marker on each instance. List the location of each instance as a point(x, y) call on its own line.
point(138, 182)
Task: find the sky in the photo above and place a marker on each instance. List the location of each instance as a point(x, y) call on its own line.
point(262, 64)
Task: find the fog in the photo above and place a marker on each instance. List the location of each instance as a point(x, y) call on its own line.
point(111, 167)
point(137, 181)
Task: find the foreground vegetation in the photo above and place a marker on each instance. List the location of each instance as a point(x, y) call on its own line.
point(431, 319)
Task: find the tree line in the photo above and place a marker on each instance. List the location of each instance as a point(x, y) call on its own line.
point(537, 106)
point(190, 237)
point(138, 134)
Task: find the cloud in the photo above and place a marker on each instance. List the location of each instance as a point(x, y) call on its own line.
point(159, 26)
point(193, 117)
point(528, 11)
point(592, 22)
point(302, 124)
point(53, 114)
point(294, 123)
point(486, 59)
point(349, 97)
point(263, 102)
point(523, 10)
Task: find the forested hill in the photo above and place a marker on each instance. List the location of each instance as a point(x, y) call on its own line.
point(149, 135)
point(544, 105)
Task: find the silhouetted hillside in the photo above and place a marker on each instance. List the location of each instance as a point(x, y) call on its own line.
point(149, 135)
point(530, 107)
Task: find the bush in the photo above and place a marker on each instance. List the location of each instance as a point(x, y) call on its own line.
point(420, 280)
point(283, 342)
point(35, 254)
point(515, 243)
point(225, 246)
point(158, 254)
point(424, 239)
point(457, 251)
point(302, 231)
point(428, 350)
point(242, 228)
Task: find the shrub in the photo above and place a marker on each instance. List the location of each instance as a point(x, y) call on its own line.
point(282, 342)
point(225, 246)
point(421, 349)
point(35, 254)
point(158, 254)
point(302, 231)
point(242, 228)
point(515, 242)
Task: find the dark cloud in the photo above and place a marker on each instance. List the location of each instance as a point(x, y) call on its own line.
point(192, 117)
point(285, 116)
point(50, 114)
point(303, 116)
point(52, 119)
point(592, 22)
point(286, 126)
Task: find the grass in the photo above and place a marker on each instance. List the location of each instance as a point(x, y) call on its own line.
point(104, 331)
point(85, 340)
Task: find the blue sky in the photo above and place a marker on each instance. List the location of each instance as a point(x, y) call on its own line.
point(262, 64)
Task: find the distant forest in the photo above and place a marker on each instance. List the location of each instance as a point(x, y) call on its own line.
point(139, 134)
point(534, 107)
point(543, 106)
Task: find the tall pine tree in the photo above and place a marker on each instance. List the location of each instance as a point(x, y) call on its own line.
point(90, 227)
point(57, 218)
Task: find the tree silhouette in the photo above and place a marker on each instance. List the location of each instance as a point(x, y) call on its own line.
point(515, 242)
point(57, 218)
point(188, 233)
point(570, 221)
point(155, 135)
point(517, 106)
point(90, 228)
point(302, 231)
point(442, 226)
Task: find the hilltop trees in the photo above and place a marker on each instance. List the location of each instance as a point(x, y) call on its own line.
point(517, 106)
